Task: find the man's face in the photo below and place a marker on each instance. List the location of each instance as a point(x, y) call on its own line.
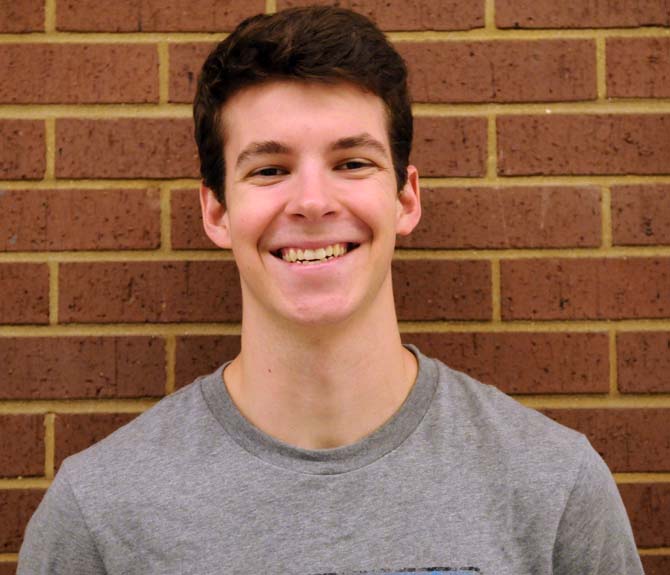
point(312, 207)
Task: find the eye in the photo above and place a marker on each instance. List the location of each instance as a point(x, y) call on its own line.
point(354, 165)
point(268, 172)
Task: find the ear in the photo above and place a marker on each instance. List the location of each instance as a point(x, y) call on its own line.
point(214, 218)
point(409, 204)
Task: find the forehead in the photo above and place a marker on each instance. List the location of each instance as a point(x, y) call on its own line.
point(301, 112)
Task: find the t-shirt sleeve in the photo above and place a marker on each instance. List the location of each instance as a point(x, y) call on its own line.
point(594, 535)
point(57, 539)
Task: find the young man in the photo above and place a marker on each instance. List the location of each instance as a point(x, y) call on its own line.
point(326, 446)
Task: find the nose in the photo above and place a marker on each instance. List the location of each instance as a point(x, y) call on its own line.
point(311, 194)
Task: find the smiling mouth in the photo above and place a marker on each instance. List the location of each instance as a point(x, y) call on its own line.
point(319, 255)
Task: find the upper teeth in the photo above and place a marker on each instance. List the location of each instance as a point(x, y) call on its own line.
point(319, 255)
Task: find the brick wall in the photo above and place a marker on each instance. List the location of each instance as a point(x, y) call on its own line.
point(542, 264)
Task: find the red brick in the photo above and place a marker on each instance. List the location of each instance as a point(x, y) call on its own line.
point(499, 71)
point(202, 354)
point(78, 73)
point(25, 293)
point(584, 144)
point(126, 148)
point(154, 15)
point(438, 289)
point(418, 15)
point(580, 13)
point(79, 220)
point(450, 146)
point(149, 292)
point(16, 508)
point(627, 439)
point(186, 61)
point(641, 215)
point(24, 16)
point(585, 288)
point(656, 564)
point(187, 229)
point(23, 151)
point(524, 362)
point(81, 367)
point(76, 432)
point(549, 217)
point(648, 506)
point(23, 453)
point(8, 568)
point(638, 67)
point(643, 360)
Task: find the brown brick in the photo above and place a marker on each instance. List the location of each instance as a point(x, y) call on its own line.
point(585, 288)
point(643, 360)
point(627, 439)
point(656, 564)
point(202, 354)
point(23, 151)
point(418, 15)
point(24, 16)
point(648, 507)
point(524, 362)
point(16, 508)
point(25, 293)
point(81, 367)
point(548, 217)
point(499, 71)
point(149, 292)
point(79, 219)
point(76, 432)
point(580, 13)
point(8, 568)
point(187, 229)
point(78, 73)
point(186, 61)
point(641, 215)
point(638, 67)
point(438, 290)
point(22, 449)
point(584, 144)
point(155, 15)
point(450, 146)
point(126, 148)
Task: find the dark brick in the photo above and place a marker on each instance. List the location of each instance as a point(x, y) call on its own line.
point(78, 73)
point(524, 362)
point(547, 217)
point(154, 15)
point(648, 506)
point(656, 564)
point(79, 220)
point(498, 71)
point(584, 144)
point(450, 146)
point(440, 290)
point(126, 148)
point(629, 440)
point(8, 568)
point(612, 288)
point(25, 293)
point(581, 13)
point(186, 61)
point(23, 151)
point(16, 508)
point(417, 15)
point(76, 431)
point(643, 360)
point(81, 367)
point(23, 16)
point(23, 453)
point(641, 215)
point(187, 229)
point(149, 292)
point(202, 354)
point(638, 67)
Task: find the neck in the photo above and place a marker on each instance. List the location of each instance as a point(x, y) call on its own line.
point(322, 387)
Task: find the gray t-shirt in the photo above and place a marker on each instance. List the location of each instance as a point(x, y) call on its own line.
point(461, 480)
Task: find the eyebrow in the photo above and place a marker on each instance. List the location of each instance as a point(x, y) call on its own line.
point(261, 148)
point(363, 140)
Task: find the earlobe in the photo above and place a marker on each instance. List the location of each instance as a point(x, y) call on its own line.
point(409, 203)
point(214, 218)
